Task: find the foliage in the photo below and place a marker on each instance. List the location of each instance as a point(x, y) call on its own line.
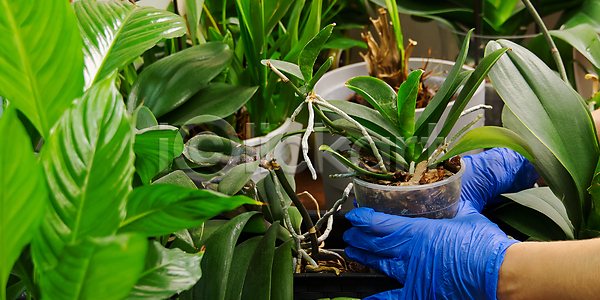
point(77, 204)
point(392, 130)
point(566, 156)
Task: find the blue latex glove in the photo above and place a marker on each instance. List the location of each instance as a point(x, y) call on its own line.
point(444, 259)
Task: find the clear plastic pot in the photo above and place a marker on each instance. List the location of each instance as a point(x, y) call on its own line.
point(438, 200)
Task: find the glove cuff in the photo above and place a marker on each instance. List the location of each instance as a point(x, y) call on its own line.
point(492, 267)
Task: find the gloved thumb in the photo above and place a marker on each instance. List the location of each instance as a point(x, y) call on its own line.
point(388, 295)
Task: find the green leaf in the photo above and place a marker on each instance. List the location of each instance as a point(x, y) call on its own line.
point(194, 11)
point(257, 284)
point(529, 221)
point(173, 80)
point(322, 70)
point(176, 178)
point(161, 209)
point(155, 148)
point(379, 94)
point(144, 118)
point(117, 32)
point(368, 117)
point(490, 137)
point(208, 150)
point(167, 271)
point(274, 12)
point(309, 53)
point(468, 90)
point(311, 28)
point(543, 200)
point(241, 260)
point(287, 67)
point(24, 194)
point(497, 12)
point(217, 258)
point(14, 291)
point(344, 44)
point(282, 284)
point(40, 59)
point(235, 179)
point(216, 99)
point(407, 102)
point(103, 268)
point(434, 110)
point(88, 161)
point(538, 105)
point(587, 13)
point(583, 38)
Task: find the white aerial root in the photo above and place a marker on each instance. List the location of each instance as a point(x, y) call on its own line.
point(309, 259)
point(309, 129)
point(474, 108)
point(297, 111)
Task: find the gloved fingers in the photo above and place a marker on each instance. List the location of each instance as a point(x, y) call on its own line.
point(380, 224)
point(493, 172)
point(393, 267)
point(388, 295)
point(392, 245)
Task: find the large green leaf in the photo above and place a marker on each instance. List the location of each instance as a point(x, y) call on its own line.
point(407, 99)
point(216, 99)
point(379, 94)
point(309, 54)
point(177, 177)
point(160, 209)
point(24, 194)
point(544, 201)
point(553, 119)
point(529, 221)
point(587, 13)
point(41, 61)
point(171, 81)
point(155, 148)
point(236, 178)
point(167, 271)
point(88, 161)
point(368, 117)
point(257, 284)
point(583, 38)
point(498, 11)
point(490, 137)
point(241, 260)
point(282, 286)
point(217, 258)
point(102, 268)
point(117, 32)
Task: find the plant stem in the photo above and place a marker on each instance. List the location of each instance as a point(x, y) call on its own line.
point(312, 233)
point(553, 49)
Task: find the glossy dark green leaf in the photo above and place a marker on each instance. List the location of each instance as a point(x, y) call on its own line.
point(587, 13)
point(88, 161)
point(529, 222)
point(101, 268)
point(544, 201)
point(217, 258)
point(173, 80)
point(583, 38)
point(274, 12)
point(538, 105)
point(241, 260)
point(490, 137)
point(320, 72)
point(286, 67)
point(309, 53)
point(236, 178)
point(144, 118)
point(344, 44)
point(167, 271)
point(155, 148)
point(208, 149)
point(268, 194)
point(434, 110)
point(178, 178)
point(24, 193)
point(407, 102)
point(257, 284)
point(161, 209)
point(379, 94)
point(216, 99)
point(185, 236)
point(269, 145)
point(282, 286)
point(117, 32)
point(368, 117)
point(468, 90)
point(41, 84)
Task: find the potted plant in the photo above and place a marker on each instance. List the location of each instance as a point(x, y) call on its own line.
point(74, 222)
point(391, 130)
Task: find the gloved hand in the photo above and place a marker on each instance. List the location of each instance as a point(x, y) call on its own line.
point(444, 259)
